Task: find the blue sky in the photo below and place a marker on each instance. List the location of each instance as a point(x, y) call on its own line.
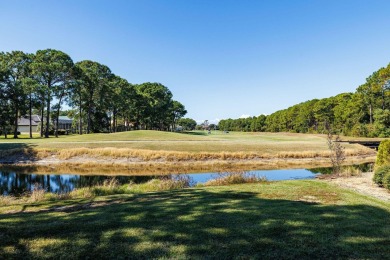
point(220, 59)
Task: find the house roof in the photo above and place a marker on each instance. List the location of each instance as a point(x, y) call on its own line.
point(25, 121)
point(35, 118)
point(64, 119)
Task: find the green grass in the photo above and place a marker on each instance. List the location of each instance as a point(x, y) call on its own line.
point(198, 141)
point(283, 220)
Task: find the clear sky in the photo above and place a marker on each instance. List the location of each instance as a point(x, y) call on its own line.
point(220, 59)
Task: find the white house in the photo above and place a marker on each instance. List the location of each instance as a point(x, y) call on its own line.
point(64, 123)
point(24, 123)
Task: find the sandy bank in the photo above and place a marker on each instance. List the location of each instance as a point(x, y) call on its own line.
point(362, 184)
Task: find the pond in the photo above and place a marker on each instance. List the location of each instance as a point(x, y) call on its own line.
point(14, 183)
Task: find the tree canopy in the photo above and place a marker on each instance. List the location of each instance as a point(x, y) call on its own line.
point(363, 113)
point(100, 100)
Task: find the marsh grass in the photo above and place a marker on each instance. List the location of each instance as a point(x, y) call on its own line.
point(162, 184)
point(348, 171)
point(170, 156)
point(6, 200)
point(110, 186)
point(230, 178)
point(37, 194)
point(150, 155)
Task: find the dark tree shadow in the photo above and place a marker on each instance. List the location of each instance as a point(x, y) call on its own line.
point(12, 153)
point(197, 223)
point(194, 133)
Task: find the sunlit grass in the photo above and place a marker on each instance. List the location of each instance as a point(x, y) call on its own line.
point(153, 151)
point(199, 142)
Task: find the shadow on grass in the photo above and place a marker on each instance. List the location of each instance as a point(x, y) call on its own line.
point(194, 133)
point(197, 224)
point(16, 153)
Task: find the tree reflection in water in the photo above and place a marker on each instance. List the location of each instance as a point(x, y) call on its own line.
point(16, 184)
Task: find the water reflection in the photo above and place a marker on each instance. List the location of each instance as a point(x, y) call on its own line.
point(12, 183)
point(365, 167)
point(15, 183)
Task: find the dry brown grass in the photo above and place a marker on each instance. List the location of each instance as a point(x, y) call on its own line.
point(170, 156)
point(92, 166)
point(229, 178)
point(37, 194)
point(6, 200)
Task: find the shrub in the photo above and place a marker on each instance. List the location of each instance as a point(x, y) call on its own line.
point(383, 156)
point(386, 180)
point(380, 173)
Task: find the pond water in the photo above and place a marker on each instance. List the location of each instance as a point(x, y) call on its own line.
point(14, 183)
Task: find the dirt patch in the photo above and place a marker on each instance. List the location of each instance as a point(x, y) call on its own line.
point(362, 184)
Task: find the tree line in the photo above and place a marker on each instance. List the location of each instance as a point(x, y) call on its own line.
point(100, 100)
point(365, 113)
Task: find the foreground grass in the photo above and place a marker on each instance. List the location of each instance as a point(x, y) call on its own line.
point(290, 219)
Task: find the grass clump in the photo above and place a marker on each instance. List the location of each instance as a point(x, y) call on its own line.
point(349, 171)
point(109, 187)
point(162, 184)
point(229, 178)
point(112, 187)
point(6, 200)
point(37, 194)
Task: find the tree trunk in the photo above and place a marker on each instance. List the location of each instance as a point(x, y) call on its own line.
point(80, 119)
point(114, 120)
point(58, 115)
point(383, 99)
point(89, 120)
point(47, 117)
point(370, 113)
point(30, 114)
point(16, 123)
point(89, 112)
point(56, 131)
point(42, 114)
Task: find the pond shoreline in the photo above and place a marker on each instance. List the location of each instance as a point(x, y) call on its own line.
point(363, 184)
point(85, 164)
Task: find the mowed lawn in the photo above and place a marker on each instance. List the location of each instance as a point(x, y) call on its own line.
point(197, 141)
point(282, 220)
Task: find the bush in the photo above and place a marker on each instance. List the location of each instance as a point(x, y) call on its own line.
point(380, 174)
point(386, 180)
point(383, 156)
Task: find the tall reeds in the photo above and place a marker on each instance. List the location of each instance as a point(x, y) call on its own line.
point(153, 155)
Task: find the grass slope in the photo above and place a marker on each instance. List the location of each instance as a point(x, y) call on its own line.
point(284, 220)
point(199, 141)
